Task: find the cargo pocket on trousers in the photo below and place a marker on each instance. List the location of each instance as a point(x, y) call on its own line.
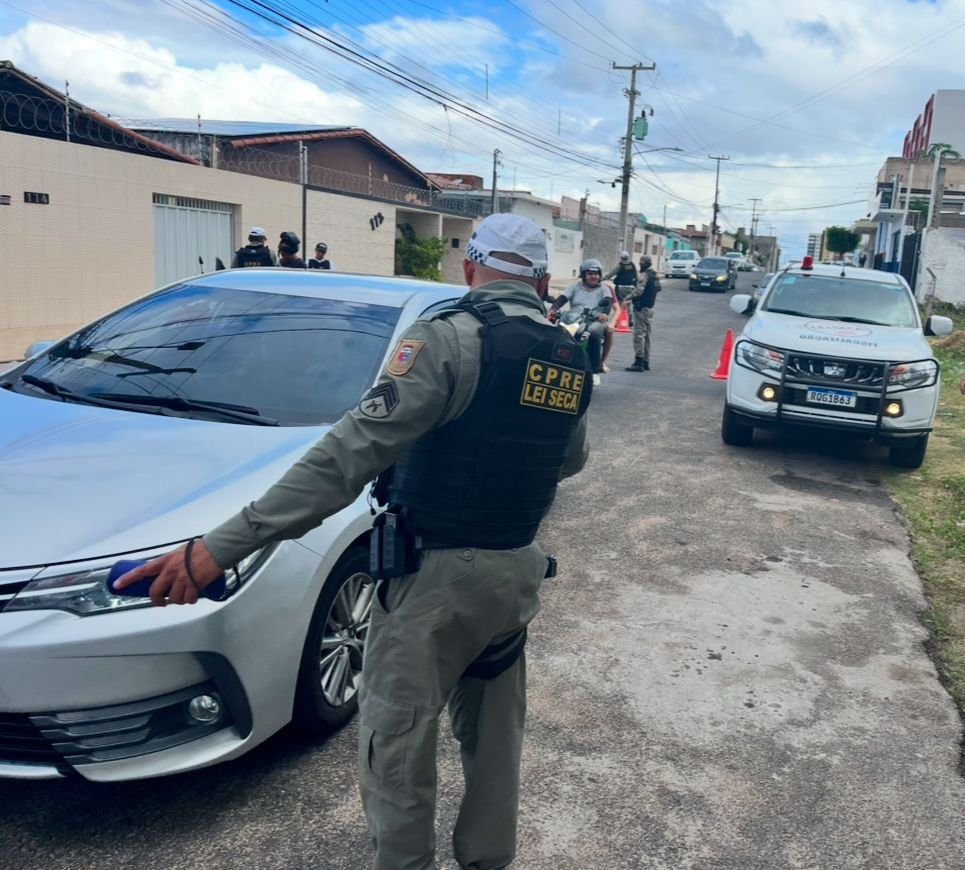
point(386, 727)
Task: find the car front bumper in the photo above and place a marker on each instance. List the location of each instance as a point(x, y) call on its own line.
point(106, 696)
point(742, 397)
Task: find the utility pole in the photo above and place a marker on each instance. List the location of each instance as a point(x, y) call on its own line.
point(755, 200)
point(495, 202)
point(713, 226)
point(773, 258)
point(632, 95)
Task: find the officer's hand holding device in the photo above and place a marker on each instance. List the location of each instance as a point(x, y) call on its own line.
point(176, 581)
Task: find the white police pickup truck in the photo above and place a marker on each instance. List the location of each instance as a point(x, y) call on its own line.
point(837, 348)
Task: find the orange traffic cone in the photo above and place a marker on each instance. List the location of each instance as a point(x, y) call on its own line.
point(623, 320)
point(726, 352)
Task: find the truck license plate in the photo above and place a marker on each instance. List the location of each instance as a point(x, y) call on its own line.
point(840, 398)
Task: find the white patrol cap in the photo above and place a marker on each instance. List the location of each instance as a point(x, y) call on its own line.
point(257, 232)
point(509, 234)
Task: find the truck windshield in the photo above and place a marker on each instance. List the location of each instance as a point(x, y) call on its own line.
point(833, 298)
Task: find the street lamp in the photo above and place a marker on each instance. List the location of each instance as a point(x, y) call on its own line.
point(625, 193)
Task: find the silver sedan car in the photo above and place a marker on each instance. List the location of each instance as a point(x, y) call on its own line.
point(138, 432)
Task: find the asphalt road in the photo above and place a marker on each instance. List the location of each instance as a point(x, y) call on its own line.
point(729, 672)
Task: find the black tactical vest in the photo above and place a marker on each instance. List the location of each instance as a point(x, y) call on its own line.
point(488, 478)
point(254, 255)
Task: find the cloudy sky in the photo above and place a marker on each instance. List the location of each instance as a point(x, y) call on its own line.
point(806, 103)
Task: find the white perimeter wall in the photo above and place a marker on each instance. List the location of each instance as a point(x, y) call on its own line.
point(943, 250)
point(92, 248)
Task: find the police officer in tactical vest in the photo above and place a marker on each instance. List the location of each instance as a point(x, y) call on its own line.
point(469, 428)
point(256, 252)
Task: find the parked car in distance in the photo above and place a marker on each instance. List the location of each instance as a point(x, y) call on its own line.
point(840, 349)
point(140, 431)
point(713, 273)
point(738, 259)
point(680, 263)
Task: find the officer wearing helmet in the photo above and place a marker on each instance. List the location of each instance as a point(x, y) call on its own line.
point(472, 394)
point(256, 252)
point(590, 292)
point(643, 299)
point(623, 275)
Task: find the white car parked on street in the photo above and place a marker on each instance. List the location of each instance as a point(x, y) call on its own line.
point(837, 348)
point(138, 432)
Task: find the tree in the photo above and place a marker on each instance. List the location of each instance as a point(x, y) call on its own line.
point(418, 257)
point(841, 241)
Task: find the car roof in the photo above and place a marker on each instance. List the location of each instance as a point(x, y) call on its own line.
point(371, 289)
point(837, 270)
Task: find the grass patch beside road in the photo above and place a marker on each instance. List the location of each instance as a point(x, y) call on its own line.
point(933, 501)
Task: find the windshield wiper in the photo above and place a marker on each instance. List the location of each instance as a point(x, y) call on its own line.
point(795, 313)
point(243, 413)
point(848, 319)
point(63, 393)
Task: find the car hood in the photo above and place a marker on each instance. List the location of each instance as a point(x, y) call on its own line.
point(707, 273)
point(837, 338)
point(82, 482)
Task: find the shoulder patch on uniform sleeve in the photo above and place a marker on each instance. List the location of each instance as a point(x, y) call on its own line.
point(380, 401)
point(404, 357)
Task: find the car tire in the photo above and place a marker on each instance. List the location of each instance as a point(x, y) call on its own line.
point(327, 693)
point(909, 457)
point(733, 431)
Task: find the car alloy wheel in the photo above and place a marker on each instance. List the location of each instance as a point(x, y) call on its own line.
point(331, 667)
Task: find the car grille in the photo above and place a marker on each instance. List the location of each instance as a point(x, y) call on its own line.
point(21, 742)
point(105, 733)
point(830, 370)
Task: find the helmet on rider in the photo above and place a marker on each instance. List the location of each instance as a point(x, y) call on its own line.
point(590, 268)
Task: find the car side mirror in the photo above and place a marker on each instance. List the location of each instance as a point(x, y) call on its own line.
point(938, 325)
point(755, 285)
point(739, 302)
point(37, 348)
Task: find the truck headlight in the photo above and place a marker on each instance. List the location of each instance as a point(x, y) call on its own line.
point(83, 589)
point(760, 359)
point(910, 376)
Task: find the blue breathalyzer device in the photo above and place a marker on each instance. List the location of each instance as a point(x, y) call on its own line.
point(215, 591)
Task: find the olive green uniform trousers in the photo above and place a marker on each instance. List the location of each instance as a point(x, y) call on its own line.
point(426, 629)
point(642, 327)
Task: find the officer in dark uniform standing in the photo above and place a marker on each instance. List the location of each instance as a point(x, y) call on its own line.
point(256, 252)
point(470, 426)
point(643, 299)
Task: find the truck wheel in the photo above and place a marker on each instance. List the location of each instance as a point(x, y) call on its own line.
point(328, 679)
point(909, 457)
point(733, 431)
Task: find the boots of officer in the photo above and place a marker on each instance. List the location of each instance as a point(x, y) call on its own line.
point(639, 365)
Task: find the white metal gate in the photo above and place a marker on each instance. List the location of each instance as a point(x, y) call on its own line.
point(189, 236)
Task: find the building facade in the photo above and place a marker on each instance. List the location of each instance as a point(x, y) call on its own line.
point(942, 120)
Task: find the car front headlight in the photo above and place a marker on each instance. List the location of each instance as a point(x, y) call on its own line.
point(721, 278)
point(911, 376)
point(83, 589)
point(760, 359)
point(693, 276)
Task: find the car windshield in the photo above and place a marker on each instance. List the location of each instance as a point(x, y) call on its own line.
point(834, 298)
point(712, 263)
point(682, 255)
point(296, 360)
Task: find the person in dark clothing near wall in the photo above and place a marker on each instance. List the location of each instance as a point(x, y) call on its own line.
point(288, 246)
point(643, 298)
point(256, 252)
point(320, 260)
